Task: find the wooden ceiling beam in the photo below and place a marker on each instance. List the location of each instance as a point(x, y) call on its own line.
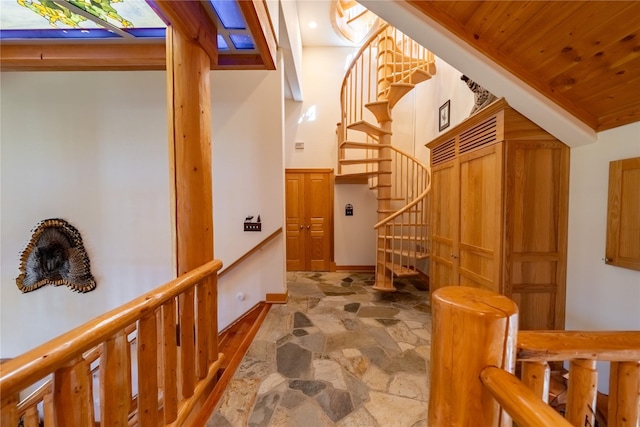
point(190, 18)
point(82, 57)
point(259, 23)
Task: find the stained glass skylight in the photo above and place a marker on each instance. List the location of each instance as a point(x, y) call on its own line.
point(78, 19)
point(111, 19)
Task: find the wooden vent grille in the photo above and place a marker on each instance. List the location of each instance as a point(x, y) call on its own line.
point(478, 136)
point(443, 152)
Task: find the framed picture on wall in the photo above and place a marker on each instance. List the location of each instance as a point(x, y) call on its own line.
point(444, 115)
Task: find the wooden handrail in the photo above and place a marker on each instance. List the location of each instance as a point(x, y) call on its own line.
point(520, 402)
point(483, 324)
point(24, 370)
point(553, 346)
point(253, 250)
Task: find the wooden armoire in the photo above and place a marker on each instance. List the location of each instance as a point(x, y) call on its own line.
point(499, 206)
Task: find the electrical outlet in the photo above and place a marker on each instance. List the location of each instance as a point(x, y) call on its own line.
point(299, 145)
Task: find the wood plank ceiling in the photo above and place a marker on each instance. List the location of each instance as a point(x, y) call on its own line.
point(583, 55)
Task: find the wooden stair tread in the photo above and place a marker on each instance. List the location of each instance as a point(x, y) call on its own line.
point(419, 75)
point(363, 145)
point(401, 271)
point(361, 161)
point(380, 110)
point(405, 253)
point(397, 91)
point(368, 128)
point(354, 178)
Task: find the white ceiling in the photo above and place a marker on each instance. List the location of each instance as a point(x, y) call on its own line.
point(324, 34)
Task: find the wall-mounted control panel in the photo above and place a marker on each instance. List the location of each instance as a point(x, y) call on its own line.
point(249, 225)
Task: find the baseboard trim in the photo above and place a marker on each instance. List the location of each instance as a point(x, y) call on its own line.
point(355, 268)
point(277, 298)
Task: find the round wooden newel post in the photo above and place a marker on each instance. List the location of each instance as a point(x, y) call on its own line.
point(472, 328)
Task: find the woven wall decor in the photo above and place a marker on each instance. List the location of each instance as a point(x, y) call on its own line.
point(55, 255)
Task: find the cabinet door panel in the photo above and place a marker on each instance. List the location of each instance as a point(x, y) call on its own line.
point(443, 225)
point(481, 214)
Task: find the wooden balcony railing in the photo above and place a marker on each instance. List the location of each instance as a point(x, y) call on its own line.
point(174, 332)
point(475, 347)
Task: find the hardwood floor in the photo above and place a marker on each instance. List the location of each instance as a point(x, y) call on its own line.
point(234, 342)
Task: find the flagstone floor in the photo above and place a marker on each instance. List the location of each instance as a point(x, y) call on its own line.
point(337, 354)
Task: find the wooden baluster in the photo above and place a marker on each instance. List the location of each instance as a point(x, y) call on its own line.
point(624, 394)
point(48, 409)
point(187, 347)
point(202, 330)
point(147, 372)
point(170, 358)
point(31, 418)
point(160, 360)
point(537, 376)
point(9, 415)
point(582, 392)
point(115, 381)
point(471, 328)
point(73, 394)
point(212, 318)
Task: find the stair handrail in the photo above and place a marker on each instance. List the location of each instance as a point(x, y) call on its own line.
point(485, 326)
point(404, 209)
point(64, 357)
point(519, 401)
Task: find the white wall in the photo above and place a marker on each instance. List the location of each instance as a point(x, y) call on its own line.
point(313, 122)
point(90, 148)
point(599, 296)
point(248, 179)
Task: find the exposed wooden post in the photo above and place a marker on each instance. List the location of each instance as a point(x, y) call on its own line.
point(624, 394)
point(9, 411)
point(471, 328)
point(189, 102)
point(582, 392)
point(147, 371)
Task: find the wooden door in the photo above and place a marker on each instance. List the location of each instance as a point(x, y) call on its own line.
point(309, 219)
point(480, 232)
point(443, 224)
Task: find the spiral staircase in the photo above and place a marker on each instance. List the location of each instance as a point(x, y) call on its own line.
point(386, 68)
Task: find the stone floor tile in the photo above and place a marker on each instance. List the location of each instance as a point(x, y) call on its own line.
point(263, 409)
point(358, 418)
point(387, 408)
point(293, 361)
point(335, 403)
point(411, 386)
point(337, 354)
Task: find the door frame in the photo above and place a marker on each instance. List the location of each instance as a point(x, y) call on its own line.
point(331, 173)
